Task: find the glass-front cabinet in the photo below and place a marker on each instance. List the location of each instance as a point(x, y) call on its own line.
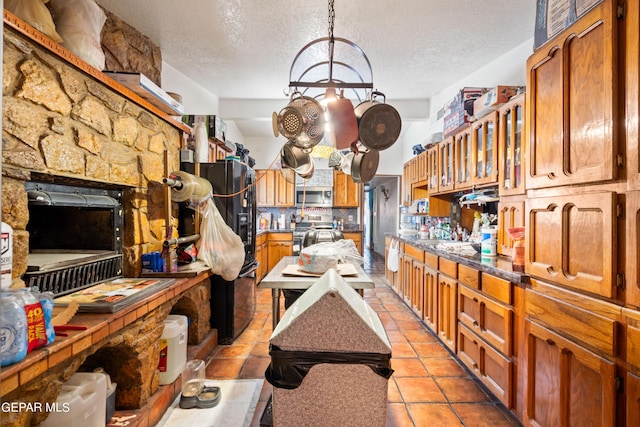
point(432, 168)
point(485, 149)
point(511, 139)
point(445, 165)
point(462, 151)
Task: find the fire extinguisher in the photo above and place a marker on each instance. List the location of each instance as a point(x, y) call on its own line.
point(6, 259)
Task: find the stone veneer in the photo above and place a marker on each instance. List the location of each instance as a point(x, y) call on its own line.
point(59, 123)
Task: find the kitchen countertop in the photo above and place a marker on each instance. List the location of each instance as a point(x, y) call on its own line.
point(498, 266)
point(354, 229)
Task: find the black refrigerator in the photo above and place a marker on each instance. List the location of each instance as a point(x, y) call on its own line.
point(233, 302)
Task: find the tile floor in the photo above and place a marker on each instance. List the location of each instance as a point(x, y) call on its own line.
point(428, 387)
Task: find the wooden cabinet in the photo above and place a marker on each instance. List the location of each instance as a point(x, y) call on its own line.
point(265, 187)
point(430, 295)
point(510, 215)
point(463, 158)
point(484, 134)
point(566, 384)
point(406, 184)
point(571, 240)
point(272, 189)
point(356, 237)
point(346, 192)
point(447, 305)
point(632, 218)
point(512, 147)
point(633, 399)
point(421, 172)
point(573, 113)
point(445, 165)
point(261, 256)
point(432, 169)
point(278, 245)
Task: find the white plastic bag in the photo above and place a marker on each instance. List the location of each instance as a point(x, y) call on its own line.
point(80, 22)
point(393, 256)
point(219, 247)
point(35, 13)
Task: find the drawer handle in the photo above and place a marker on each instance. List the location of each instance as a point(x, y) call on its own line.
point(475, 299)
point(550, 341)
point(475, 324)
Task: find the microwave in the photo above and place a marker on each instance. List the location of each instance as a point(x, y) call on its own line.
point(321, 197)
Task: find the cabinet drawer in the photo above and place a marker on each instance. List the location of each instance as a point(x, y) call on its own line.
point(431, 260)
point(260, 239)
point(491, 367)
point(583, 321)
point(280, 237)
point(450, 268)
point(414, 252)
point(490, 320)
point(469, 276)
point(633, 337)
point(498, 288)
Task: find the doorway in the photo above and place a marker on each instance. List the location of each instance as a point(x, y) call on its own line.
point(380, 213)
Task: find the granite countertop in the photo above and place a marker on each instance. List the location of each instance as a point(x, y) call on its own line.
point(498, 266)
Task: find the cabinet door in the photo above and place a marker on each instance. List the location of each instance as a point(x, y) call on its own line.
point(447, 310)
point(484, 134)
point(432, 169)
point(430, 304)
point(356, 237)
point(407, 278)
point(285, 191)
point(571, 240)
point(512, 146)
point(462, 165)
point(510, 215)
point(566, 384)
point(632, 217)
point(572, 103)
point(422, 167)
point(417, 288)
point(492, 368)
point(346, 192)
point(445, 165)
point(633, 399)
point(265, 187)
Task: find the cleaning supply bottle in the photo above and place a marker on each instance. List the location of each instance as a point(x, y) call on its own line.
point(6, 259)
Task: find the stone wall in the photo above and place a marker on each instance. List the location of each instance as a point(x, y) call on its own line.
point(59, 122)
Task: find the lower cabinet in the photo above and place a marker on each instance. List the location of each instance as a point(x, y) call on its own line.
point(430, 295)
point(447, 310)
point(261, 257)
point(278, 245)
point(356, 237)
point(566, 384)
point(633, 399)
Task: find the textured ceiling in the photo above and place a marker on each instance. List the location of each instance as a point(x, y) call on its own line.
point(243, 49)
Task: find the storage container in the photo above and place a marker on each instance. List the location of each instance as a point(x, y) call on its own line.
point(81, 402)
point(173, 348)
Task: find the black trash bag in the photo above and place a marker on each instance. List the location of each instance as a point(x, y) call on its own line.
point(288, 368)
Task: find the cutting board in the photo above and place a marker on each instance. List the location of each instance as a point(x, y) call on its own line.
point(342, 269)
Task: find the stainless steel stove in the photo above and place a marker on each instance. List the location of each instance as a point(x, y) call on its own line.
point(320, 218)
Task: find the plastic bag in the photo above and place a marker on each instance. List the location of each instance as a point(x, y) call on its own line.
point(13, 329)
point(319, 257)
point(393, 256)
point(36, 14)
point(80, 22)
point(219, 247)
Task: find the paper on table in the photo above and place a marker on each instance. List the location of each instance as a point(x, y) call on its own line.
point(346, 269)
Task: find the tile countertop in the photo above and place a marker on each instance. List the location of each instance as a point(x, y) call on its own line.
point(498, 266)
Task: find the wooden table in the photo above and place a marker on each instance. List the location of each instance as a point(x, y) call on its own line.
point(277, 281)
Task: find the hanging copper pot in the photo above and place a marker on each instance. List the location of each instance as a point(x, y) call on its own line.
point(379, 124)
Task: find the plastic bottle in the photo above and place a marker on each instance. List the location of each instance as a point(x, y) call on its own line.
point(13, 330)
point(6, 260)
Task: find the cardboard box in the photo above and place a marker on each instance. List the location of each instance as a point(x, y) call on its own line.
point(554, 16)
point(459, 110)
point(149, 91)
point(330, 321)
point(492, 100)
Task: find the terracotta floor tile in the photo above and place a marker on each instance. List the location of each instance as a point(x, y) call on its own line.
point(394, 305)
point(402, 349)
point(409, 325)
point(224, 368)
point(388, 323)
point(397, 415)
point(484, 415)
point(461, 389)
point(396, 336)
point(254, 367)
point(408, 368)
point(433, 349)
point(234, 350)
point(260, 349)
point(422, 389)
point(248, 336)
point(444, 367)
point(419, 335)
point(403, 315)
point(433, 415)
point(393, 394)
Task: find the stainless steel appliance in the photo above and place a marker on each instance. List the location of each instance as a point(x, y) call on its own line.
point(314, 197)
point(233, 302)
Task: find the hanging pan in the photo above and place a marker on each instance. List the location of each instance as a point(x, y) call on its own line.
point(365, 164)
point(294, 156)
point(344, 125)
point(379, 123)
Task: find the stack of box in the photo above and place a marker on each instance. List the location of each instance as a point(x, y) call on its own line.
point(493, 99)
point(459, 111)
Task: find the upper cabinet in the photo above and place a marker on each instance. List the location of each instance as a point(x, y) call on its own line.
point(272, 189)
point(485, 149)
point(445, 165)
point(573, 112)
point(462, 151)
point(512, 147)
point(432, 169)
point(346, 192)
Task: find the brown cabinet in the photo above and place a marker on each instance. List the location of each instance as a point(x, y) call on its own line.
point(447, 308)
point(633, 399)
point(573, 103)
point(272, 189)
point(356, 237)
point(430, 295)
point(261, 257)
point(432, 169)
point(445, 165)
point(285, 191)
point(278, 245)
point(421, 171)
point(571, 240)
point(510, 215)
point(512, 147)
point(463, 158)
point(346, 192)
point(406, 184)
point(484, 133)
point(632, 218)
point(566, 384)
